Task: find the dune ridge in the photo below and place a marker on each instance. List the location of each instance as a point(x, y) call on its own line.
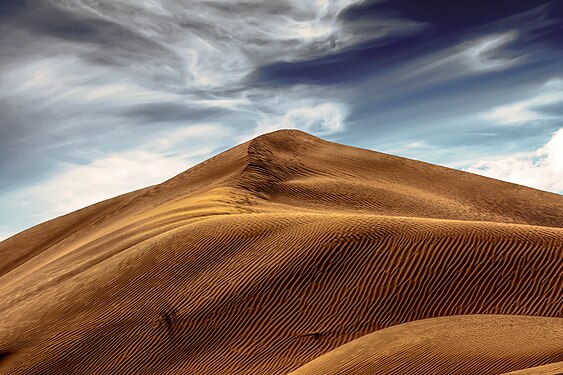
point(549, 369)
point(478, 344)
point(270, 255)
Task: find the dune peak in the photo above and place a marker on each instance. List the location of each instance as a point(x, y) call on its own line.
point(281, 250)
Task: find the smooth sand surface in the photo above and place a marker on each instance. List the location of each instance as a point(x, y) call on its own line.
point(275, 254)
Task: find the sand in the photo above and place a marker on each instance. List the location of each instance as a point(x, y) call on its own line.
point(471, 344)
point(288, 253)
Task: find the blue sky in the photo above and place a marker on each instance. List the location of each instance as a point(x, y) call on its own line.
point(100, 97)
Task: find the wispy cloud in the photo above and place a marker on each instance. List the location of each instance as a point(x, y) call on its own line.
point(541, 169)
point(321, 119)
point(485, 54)
point(102, 65)
point(60, 82)
point(78, 186)
point(112, 175)
point(477, 55)
point(529, 109)
point(215, 49)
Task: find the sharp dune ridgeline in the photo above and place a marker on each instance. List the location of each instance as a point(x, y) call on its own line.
point(291, 254)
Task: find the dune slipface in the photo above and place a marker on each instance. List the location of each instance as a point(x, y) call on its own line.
point(291, 253)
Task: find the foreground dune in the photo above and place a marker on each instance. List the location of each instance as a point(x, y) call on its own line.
point(550, 369)
point(475, 344)
point(269, 255)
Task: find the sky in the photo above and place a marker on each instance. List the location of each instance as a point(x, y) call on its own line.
point(102, 97)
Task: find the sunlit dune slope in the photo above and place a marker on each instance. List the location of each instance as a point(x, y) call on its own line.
point(274, 253)
point(549, 369)
point(472, 344)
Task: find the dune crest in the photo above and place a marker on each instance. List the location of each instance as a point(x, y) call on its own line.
point(267, 256)
point(477, 344)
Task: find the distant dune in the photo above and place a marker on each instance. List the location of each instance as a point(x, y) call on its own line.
point(291, 253)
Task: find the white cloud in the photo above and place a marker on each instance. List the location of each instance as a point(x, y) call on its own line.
point(479, 55)
point(104, 178)
point(6, 233)
point(417, 145)
point(60, 82)
point(118, 173)
point(321, 119)
point(227, 103)
point(542, 169)
point(529, 109)
point(483, 54)
point(204, 136)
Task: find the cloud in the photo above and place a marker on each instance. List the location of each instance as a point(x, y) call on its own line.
point(116, 86)
point(5, 233)
point(541, 169)
point(106, 69)
point(321, 119)
point(104, 178)
point(61, 81)
point(484, 54)
point(213, 48)
point(204, 136)
point(478, 55)
point(529, 109)
point(118, 173)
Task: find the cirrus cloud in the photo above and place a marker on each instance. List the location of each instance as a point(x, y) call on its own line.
point(112, 175)
point(80, 185)
point(321, 119)
point(530, 109)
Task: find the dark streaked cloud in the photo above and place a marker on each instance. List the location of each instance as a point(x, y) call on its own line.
point(495, 38)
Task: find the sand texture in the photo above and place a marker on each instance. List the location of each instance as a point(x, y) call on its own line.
point(471, 344)
point(291, 253)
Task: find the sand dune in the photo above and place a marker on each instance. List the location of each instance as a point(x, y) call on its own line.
point(476, 344)
point(550, 369)
point(279, 251)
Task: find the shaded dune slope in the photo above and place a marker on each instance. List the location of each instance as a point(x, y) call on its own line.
point(272, 254)
point(309, 172)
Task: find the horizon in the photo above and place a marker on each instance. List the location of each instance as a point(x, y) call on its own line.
point(102, 98)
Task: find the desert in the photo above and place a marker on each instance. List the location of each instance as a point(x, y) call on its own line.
point(292, 254)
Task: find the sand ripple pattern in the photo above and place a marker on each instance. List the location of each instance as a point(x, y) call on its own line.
point(281, 252)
